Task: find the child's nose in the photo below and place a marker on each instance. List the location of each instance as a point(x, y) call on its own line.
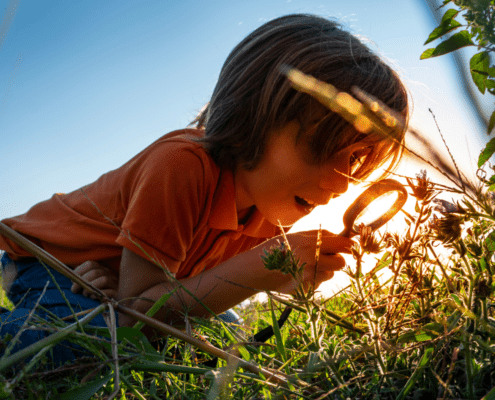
point(336, 182)
point(334, 175)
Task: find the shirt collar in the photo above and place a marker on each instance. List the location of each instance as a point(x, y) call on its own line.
point(223, 214)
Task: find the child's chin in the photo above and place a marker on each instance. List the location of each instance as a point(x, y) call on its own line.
point(284, 221)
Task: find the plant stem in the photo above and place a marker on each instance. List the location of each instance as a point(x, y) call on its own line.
point(50, 340)
point(437, 261)
point(469, 371)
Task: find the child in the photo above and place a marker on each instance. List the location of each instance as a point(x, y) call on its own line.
point(204, 202)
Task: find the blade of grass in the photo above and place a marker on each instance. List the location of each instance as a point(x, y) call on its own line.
point(63, 269)
point(23, 327)
point(416, 374)
point(278, 335)
point(155, 307)
point(52, 339)
point(85, 392)
point(112, 326)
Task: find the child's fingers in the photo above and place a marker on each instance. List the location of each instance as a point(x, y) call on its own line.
point(331, 243)
point(99, 276)
point(86, 267)
point(89, 276)
point(103, 283)
point(336, 244)
point(82, 270)
point(325, 269)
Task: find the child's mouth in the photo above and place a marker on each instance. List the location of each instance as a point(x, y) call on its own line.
point(304, 204)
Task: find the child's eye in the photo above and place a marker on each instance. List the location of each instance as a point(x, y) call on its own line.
point(358, 157)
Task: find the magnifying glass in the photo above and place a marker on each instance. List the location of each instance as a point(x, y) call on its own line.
point(375, 206)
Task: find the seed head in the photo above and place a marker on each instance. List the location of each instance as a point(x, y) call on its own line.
point(447, 229)
point(483, 289)
point(423, 190)
point(282, 259)
point(367, 240)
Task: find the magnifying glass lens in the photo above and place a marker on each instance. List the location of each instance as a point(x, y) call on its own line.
point(376, 209)
point(375, 206)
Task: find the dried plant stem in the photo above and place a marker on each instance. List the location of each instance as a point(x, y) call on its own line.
point(48, 259)
point(48, 341)
point(153, 323)
point(112, 326)
point(23, 327)
point(447, 147)
point(437, 261)
point(469, 365)
point(408, 247)
point(333, 317)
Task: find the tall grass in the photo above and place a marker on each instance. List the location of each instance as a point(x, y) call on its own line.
point(426, 332)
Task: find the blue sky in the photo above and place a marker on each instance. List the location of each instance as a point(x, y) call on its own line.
point(85, 85)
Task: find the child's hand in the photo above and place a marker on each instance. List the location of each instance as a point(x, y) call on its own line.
point(101, 277)
point(303, 244)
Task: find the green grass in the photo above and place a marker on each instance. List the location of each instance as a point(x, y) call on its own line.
point(4, 301)
point(427, 332)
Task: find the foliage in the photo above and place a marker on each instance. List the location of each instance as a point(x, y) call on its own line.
point(480, 32)
point(427, 331)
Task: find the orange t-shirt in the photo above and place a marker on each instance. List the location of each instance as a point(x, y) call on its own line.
point(171, 200)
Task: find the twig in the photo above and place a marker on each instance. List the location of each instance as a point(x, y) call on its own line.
point(40, 344)
point(112, 326)
point(23, 327)
point(443, 166)
point(27, 245)
point(49, 260)
point(450, 154)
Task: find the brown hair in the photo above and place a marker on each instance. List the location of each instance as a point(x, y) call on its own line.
point(252, 97)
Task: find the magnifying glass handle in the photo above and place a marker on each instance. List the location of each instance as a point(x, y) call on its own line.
point(366, 198)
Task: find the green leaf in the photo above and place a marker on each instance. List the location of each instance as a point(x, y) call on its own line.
point(490, 395)
point(491, 125)
point(483, 263)
point(488, 151)
point(427, 332)
point(448, 24)
point(278, 336)
point(456, 42)
point(155, 307)
point(490, 85)
point(135, 337)
point(490, 242)
point(456, 299)
point(426, 54)
point(479, 64)
point(85, 392)
point(162, 366)
point(415, 376)
point(434, 326)
point(480, 72)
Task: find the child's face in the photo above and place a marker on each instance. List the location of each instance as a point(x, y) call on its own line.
point(286, 173)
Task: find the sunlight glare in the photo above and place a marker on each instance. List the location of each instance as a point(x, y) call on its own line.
point(376, 209)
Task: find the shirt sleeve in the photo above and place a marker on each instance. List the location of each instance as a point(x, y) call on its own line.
point(164, 194)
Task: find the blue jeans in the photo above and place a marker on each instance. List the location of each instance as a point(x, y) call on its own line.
point(24, 293)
